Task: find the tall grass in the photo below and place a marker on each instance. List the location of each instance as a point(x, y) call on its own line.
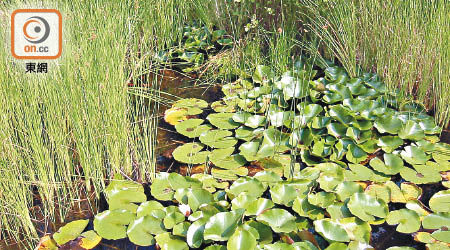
point(405, 42)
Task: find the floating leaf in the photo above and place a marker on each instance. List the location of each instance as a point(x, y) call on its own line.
point(218, 138)
point(242, 240)
point(221, 226)
point(279, 220)
point(331, 230)
point(389, 143)
point(140, 230)
point(249, 185)
point(194, 106)
point(124, 195)
point(89, 239)
point(414, 155)
point(70, 231)
point(420, 174)
point(411, 131)
point(389, 124)
point(191, 153)
point(367, 207)
point(192, 128)
point(222, 120)
point(175, 115)
point(392, 164)
point(223, 158)
point(166, 241)
point(111, 225)
point(408, 220)
point(440, 201)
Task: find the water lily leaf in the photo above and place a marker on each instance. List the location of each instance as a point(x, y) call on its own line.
point(401, 248)
point(89, 239)
point(436, 221)
point(166, 241)
point(355, 154)
point(411, 131)
point(111, 225)
point(242, 201)
point(279, 220)
point(296, 88)
point(247, 134)
point(336, 74)
point(194, 106)
point(192, 128)
point(255, 121)
point(356, 229)
point(301, 137)
point(346, 189)
point(307, 113)
point(256, 207)
point(280, 118)
point(46, 243)
point(209, 182)
point(218, 138)
point(337, 246)
point(242, 240)
point(226, 174)
point(197, 197)
point(175, 115)
point(320, 122)
point(337, 130)
point(194, 236)
point(223, 107)
point(440, 201)
point(241, 117)
point(302, 207)
point(274, 141)
point(331, 230)
point(216, 247)
point(249, 185)
point(191, 153)
point(367, 207)
point(221, 226)
point(264, 231)
point(222, 120)
point(408, 220)
point(338, 210)
point(321, 199)
point(124, 195)
point(262, 74)
point(331, 175)
point(332, 97)
point(140, 230)
point(389, 143)
point(420, 174)
point(223, 158)
point(392, 164)
point(181, 229)
point(414, 155)
point(341, 114)
point(70, 231)
point(172, 217)
point(389, 124)
point(285, 193)
point(277, 246)
point(267, 177)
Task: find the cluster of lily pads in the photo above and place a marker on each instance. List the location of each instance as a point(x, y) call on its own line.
point(319, 209)
point(197, 44)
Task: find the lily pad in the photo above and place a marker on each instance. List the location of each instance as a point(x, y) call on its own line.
point(218, 138)
point(70, 231)
point(420, 174)
point(366, 207)
point(389, 124)
point(111, 225)
point(191, 153)
point(221, 226)
point(242, 239)
point(192, 128)
point(408, 220)
point(414, 155)
point(166, 241)
point(175, 115)
point(279, 220)
point(411, 131)
point(440, 201)
point(194, 106)
point(222, 120)
point(140, 230)
point(389, 143)
point(223, 158)
point(392, 164)
point(331, 230)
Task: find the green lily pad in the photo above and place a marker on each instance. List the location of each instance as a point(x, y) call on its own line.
point(411, 131)
point(194, 235)
point(330, 177)
point(140, 230)
point(243, 239)
point(301, 137)
point(221, 226)
point(124, 195)
point(197, 197)
point(436, 221)
point(321, 199)
point(440, 201)
point(191, 153)
point(222, 120)
point(337, 130)
point(346, 189)
point(331, 230)
point(194, 106)
point(152, 208)
point(225, 174)
point(388, 124)
point(367, 207)
point(192, 128)
point(355, 154)
point(89, 239)
point(389, 143)
point(70, 231)
point(218, 138)
point(392, 164)
point(302, 207)
point(262, 74)
point(222, 107)
point(166, 241)
point(258, 206)
point(414, 155)
point(274, 141)
point(223, 158)
point(279, 220)
point(285, 192)
point(249, 185)
point(111, 225)
point(421, 174)
point(408, 220)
